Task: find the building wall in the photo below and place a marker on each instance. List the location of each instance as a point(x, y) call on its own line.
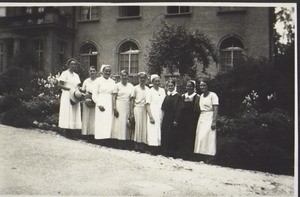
point(252, 25)
point(51, 27)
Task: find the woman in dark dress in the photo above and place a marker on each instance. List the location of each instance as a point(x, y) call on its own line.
point(188, 119)
point(169, 131)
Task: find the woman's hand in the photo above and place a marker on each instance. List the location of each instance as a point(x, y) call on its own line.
point(213, 125)
point(101, 108)
point(175, 123)
point(116, 113)
point(152, 120)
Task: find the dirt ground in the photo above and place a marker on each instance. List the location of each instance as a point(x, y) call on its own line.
point(35, 162)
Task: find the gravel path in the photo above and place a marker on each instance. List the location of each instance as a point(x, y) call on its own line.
point(35, 162)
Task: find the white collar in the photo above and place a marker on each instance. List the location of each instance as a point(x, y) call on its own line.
point(172, 93)
point(190, 96)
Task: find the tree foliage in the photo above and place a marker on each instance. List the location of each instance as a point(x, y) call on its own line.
point(175, 47)
point(283, 30)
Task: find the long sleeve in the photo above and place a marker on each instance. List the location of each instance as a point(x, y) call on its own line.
point(95, 94)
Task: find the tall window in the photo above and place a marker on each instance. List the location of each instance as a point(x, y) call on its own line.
point(88, 55)
point(129, 11)
point(1, 57)
point(61, 52)
point(40, 9)
point(39, 53)
point(178, 10)
point(231, 53)
point(89, 13)
point(2, 11)
point(129, 57)
point(29, 10)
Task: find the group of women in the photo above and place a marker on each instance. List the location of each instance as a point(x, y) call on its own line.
point(156, 119)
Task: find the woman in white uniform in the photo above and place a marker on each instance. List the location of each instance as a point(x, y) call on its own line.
point(154, 100)
point(122, 95)
point(140, 113)
point(69, 114)
point(88, 111)
point(102, 96)
point(206, 133)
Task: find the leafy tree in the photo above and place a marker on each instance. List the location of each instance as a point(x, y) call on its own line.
point(175, 47)
point(284, 55)
point(283, 30)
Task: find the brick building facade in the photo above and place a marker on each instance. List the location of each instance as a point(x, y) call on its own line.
point(119, 35)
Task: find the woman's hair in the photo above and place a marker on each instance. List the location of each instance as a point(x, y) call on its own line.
point(124, 71)
point(142, 74)
point(93, 67)
point(206, 81)
point(70, 60)
point(171, 81)
point(192, 82)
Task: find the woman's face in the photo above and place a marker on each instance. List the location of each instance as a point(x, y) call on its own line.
point(124, 77)
point(171, 87)
point(143, 79)
point(93, 72)
point(106, 72)
point(156, 82)
point(72, 65)
point(203, 86)
point(189, 87)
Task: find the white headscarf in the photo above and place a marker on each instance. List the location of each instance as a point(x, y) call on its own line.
point(103, 66)
point(153, 77)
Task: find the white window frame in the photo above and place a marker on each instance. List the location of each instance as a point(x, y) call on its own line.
point(86, 57)
point(130, 52)
point(180, 12)
point(233, 50)
point(90, 9)
point(39, 52)
point(2, 11)
point(41, 9)
point(121, 16)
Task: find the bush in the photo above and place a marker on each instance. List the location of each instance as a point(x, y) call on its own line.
point(42, 106)
point(8, 101)
point(51, 119)
point(259, 141)
point(17, 117)
point(233, 152)
point(237, 153)
point(37, 100)
point(13, 79)
point(270, 158)
point(253, 74)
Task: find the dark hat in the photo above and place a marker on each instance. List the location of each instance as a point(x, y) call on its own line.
point(89, 102)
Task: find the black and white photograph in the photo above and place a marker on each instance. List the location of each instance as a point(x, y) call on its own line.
point(148, 99)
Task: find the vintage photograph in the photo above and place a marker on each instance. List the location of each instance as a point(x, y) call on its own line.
point(148, 99)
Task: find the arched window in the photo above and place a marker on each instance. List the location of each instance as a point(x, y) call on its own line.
point(88, 55)
point(129, 57)
point(231, 53)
